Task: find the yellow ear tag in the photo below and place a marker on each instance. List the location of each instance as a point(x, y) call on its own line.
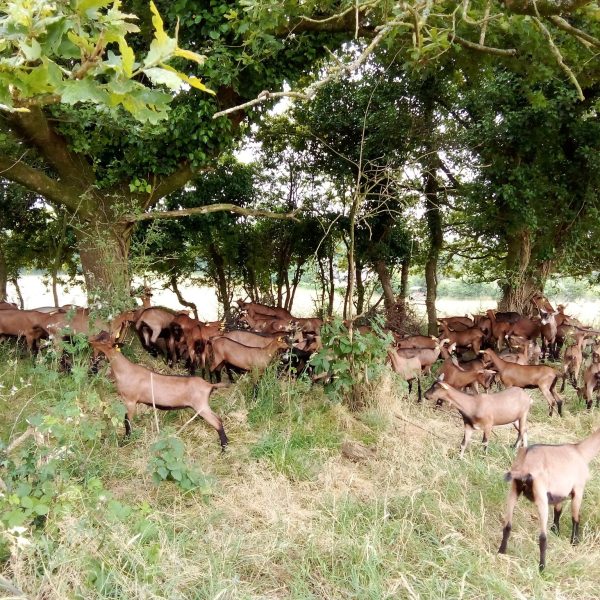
point(118, 349)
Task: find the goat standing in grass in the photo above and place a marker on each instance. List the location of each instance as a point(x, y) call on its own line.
point(546, 475)
point(138, 385)
point(485, 411)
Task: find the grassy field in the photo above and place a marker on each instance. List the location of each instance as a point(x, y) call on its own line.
point(284, 513)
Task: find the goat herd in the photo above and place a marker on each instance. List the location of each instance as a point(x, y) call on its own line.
point(494, 347)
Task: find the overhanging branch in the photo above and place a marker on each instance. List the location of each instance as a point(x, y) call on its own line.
point(212, 208)
point(508, 52)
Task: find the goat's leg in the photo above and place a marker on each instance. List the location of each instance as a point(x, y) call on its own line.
point(420, 397)
point(466, 439)
point(549, 398)
point(409, 381)
point(575, 508)
point(486, 438)
point(212, 419)
point(519, 426)
point(511, 501)
point(555, 528)
point(130, 406)
point(541, 502)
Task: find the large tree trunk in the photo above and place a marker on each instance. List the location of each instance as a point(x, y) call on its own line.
point(523, 280)
point(386, 283)
point(3, 276)
point(104, 250)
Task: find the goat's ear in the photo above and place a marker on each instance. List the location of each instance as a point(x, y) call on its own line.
point(440, 378)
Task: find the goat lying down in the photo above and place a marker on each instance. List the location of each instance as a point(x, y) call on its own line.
point(138, 385)
point(547, 474)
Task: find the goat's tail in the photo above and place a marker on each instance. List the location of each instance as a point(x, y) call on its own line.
point(553, 384)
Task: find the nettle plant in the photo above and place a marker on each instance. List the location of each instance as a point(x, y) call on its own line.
point(168, 463)
point(352, 361)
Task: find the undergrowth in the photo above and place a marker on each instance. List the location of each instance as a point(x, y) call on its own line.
point(284, 513)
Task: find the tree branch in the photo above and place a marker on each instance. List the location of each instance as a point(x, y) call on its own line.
point(211, 208)
point(37, 181)
point(565, 26)
point(559, 57)
point(510, 52)
point(545, 8)
point(170, 184)
point(33, 128)
point(309, 92)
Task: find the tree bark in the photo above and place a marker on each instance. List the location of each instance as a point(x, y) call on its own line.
point(55, 287)
point(523, 280)
point(103, 250)
point(331, 299)
point(360, 290)
point(404, 281)
point(436, 241)
point(222, 283)
point(386, 282)
point(180, 298)
point(15, 282)
point(3, 276)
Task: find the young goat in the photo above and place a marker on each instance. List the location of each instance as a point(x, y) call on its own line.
point(485, 411)
point(572, 361)
point(138, 385)
point(409, 369)
point(528, 376)
point(591, 383)
point(545, 475)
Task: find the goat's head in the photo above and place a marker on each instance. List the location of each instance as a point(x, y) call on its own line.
point(104, 343)
point(437, 391)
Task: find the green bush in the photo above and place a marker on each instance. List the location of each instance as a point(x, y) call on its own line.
point(351, 361)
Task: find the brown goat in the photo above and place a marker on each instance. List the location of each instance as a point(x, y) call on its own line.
point(228, 352)
point(138, 385)
point(457, 323)
point(416, 341)
point(485, 411)
point(254, 309)
point(528, 376)
point(572, 361)
point(468, 338)
point(452, 373)
point(591, 383)
point(546, 475)
point(408, 369)
point(427, 356)
point(29, 324)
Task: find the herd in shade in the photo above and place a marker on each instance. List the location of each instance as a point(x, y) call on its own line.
point(502, 349)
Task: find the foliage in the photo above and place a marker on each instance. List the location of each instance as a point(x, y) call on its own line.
point(168, 463)
point(352, 359)
point(76, 53)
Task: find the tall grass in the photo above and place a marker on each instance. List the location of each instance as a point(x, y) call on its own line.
point(284, 513)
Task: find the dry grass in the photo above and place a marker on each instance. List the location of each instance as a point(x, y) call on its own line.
point(287, 515)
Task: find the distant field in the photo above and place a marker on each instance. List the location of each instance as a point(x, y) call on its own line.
point(36, 294)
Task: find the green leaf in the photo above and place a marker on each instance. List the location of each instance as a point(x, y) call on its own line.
point(85, 90)
point(33, 51)
point(160, 76)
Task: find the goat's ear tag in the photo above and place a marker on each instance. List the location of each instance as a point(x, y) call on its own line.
point(117, 348)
